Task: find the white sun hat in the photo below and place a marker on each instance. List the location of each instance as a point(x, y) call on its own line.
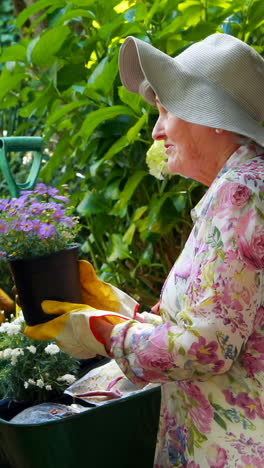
point(217, 82)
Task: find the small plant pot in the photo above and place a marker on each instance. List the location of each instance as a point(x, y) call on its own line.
point(54, 277)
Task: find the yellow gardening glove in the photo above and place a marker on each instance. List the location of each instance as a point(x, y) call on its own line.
point(6, 303)
point(104, 296)
point(73, 328)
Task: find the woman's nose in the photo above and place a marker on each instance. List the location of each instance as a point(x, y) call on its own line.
point(158, 130)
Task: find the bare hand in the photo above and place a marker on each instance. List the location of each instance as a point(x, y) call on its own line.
point(156, 308)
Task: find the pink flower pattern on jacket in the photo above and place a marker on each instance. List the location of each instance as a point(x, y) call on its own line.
point(207, 348)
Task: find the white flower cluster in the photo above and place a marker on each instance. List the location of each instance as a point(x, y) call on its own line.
point(52, 349)
point(37, 383)
point(14, 327)
point(32, 349)
point(33, 363)
point(157, 160)
point(68, 378)
point(12, 354)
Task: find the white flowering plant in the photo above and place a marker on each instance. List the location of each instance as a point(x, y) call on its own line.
point(32, 370)
point(157, 160)
point(38, 222)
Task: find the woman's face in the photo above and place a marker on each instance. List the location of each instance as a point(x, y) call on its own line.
point(191, 148)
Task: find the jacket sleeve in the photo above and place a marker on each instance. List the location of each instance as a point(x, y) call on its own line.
point(223, 292)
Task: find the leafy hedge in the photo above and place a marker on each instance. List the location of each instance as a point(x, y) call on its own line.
point(64, 84)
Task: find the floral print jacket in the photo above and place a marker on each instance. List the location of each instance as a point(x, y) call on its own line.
point(207, 347)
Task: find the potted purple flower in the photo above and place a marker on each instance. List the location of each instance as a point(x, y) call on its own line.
point(38, 232)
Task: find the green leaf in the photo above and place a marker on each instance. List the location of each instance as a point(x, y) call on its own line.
point(15, 53)
point(215, 239)
point(130, 187)
point(99, 116)
point(120, 144)
point(69, 75)
point(181, 351)
point(38, 105)
point(132, 100)
point(177, 25)
point(9, 83)
point(255, 14)
point(91, 204)
point(8, 102)
point(134, 131)
point(48, 45)
point(200, 31)
point(129, 234)
point(112, 189)
point(180, 201)
point(73, 14)
point(260, 213)
point(139, 212)
point(147, 254)
point(65, 110)
point(103, 75)
point(83, 3)
point(154, 210)
point(30, 47)
point(141, 12)
point(35, 8)
point(55, 162)
point(118, 249)
point(220, 421)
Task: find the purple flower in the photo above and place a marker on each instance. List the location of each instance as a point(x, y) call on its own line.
point(34, 213)
point(4, 204)
point(26, 192)
point(18, 202)
point(52, 191)
point(46, 230)
point(26, 225)
point(41, 189)
point(252, 406)
point(2, 254)
point(68, 222)
point(52, 206)
point(36, 208)
point(62, 198)
point(35, 225)
point(204, 352)
point(3, 227)
point(16, 224)
point(58, 215)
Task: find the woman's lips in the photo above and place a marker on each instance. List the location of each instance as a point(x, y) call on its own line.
point(169, 149)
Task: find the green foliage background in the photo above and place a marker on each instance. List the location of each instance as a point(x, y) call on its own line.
point(63, 84)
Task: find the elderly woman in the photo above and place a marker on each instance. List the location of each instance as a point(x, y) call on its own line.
point(206, 348)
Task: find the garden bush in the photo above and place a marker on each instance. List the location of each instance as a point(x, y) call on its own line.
point(63, 84)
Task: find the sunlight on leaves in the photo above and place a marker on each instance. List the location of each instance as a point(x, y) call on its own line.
point(122, 6)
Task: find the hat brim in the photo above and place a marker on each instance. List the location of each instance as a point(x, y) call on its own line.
point(188, 96)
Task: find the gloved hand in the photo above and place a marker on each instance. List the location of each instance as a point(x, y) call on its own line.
point(6, 303)
point(73, 328)
point(104, 296)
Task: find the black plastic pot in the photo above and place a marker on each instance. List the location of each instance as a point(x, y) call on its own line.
point(54, 277)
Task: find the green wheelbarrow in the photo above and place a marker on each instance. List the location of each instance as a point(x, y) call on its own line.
point(119, 434)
